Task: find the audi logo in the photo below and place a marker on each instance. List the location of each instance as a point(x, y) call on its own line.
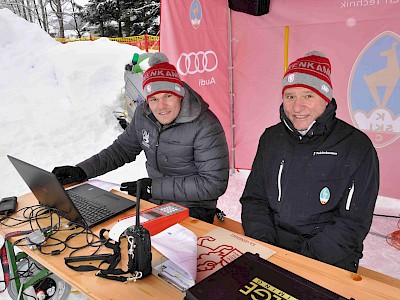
point(200, 62)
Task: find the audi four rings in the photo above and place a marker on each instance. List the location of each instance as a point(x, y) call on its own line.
point(200, 62)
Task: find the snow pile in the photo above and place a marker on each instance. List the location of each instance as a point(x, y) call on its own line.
point(57, 100)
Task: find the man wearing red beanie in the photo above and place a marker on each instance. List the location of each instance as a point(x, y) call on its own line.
point(315, 179)
point(184, 143)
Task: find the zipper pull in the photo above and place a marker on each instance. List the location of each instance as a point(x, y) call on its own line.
point(279, 179)
point(350, 196)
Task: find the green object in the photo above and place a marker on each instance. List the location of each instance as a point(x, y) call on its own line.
point(135, 58)
point(21, 262)
point(136, 67)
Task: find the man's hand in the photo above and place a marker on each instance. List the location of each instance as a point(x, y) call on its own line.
point(145, 188)
point(69, 174)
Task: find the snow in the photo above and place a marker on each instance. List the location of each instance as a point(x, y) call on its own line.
point(57, 102)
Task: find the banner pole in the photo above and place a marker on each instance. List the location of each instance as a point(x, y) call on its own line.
point(231, 96)
point(286, 50)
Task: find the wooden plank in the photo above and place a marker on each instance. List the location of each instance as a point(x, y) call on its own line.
point(236, 227)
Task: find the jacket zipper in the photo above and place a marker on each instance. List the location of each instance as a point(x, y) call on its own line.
point(279, 179)
point(157, 144)
point(159, 130)
point(350, 196)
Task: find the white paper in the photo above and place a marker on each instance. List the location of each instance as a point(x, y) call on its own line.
point(122, 225)
point(179, 245)
point(174, 275)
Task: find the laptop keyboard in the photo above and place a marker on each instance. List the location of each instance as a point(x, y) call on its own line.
point(91, 212)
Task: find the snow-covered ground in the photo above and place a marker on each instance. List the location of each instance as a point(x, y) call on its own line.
point(57, 102)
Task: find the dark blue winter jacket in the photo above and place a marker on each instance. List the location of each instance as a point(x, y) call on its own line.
point(313, 194)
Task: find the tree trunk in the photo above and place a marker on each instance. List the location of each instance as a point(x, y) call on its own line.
point(75, 21)
point(101, 28)
point(44, 16)
point(58, 11)
point(24, 10)
point(60, 18)
point(37, 14)
point(119, 19)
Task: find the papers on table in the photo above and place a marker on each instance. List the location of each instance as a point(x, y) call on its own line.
point(179, 246)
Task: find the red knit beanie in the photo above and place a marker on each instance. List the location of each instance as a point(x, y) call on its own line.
point(313, 71)
point(161, 77)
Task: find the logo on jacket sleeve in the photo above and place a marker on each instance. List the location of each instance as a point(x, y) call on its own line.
point(324, 195)
point(146, 138)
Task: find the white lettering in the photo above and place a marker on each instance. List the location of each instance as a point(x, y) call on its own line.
point(203, 82)
point(325, 153)
point(363, 3)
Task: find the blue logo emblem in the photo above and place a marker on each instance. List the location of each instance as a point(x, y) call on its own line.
point(324, 195)
point(374, 90)
point(196, 13)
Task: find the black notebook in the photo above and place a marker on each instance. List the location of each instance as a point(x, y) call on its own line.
point(252, 277)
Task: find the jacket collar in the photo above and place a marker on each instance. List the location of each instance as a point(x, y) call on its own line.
point(323, 125)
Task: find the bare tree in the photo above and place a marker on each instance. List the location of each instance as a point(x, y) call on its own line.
point(28, 10)
point(75, 13)
point(57, 9)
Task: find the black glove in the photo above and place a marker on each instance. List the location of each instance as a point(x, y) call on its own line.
point(145, 187)
point(69, 174)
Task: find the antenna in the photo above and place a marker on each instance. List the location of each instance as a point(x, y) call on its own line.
point(138, 184)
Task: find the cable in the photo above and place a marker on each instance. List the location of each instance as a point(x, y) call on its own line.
point(393, 239)
point(43, 238)
point(387, 216)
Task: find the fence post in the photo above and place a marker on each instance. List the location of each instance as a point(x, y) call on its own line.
point(146, 42)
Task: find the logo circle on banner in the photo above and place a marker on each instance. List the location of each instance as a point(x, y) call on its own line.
point(374, 90)
point(195, 13)
point(199, 62)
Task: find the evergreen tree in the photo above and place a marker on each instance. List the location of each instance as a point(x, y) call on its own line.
point(140, 16)
point(101, 13)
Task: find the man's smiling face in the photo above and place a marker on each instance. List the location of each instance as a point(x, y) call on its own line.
point(302, 106)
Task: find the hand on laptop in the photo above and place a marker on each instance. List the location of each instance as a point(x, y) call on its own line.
point(69, 174)
point(145, 188)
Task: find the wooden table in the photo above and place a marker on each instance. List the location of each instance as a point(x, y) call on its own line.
point(338, 280)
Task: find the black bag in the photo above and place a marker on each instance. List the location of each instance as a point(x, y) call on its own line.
point(139, 254)
point(139, 243)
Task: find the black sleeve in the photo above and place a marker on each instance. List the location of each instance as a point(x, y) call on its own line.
point(257, 219)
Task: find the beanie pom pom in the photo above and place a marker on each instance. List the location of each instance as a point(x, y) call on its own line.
point(157, 58)
point(316, 53)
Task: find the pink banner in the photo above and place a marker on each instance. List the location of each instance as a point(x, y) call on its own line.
point(194, 36)
point(361, 38)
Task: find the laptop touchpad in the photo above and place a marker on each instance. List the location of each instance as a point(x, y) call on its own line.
point(112, 203)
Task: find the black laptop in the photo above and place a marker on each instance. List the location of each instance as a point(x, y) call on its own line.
point(86, 204)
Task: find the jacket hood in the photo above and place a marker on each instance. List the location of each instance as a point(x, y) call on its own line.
point(192, 106)
point(324, 124)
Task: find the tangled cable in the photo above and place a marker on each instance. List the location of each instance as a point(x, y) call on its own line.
point(33, 214)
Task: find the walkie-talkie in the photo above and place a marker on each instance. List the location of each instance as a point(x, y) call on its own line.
point(142, 244)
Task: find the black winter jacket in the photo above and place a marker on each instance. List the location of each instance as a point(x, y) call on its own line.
point(313, 194)
point(187, 160)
